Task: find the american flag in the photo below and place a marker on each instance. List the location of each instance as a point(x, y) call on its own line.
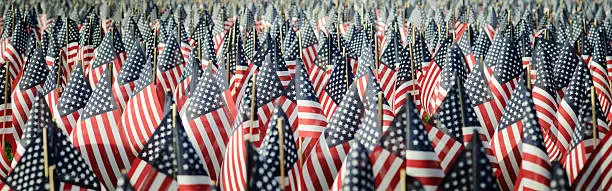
point(244, 68)
point(276, 57)
point(536, 170)
point(269, 88)
point(573, 112)
point(386, 166)
point(482, 176)
point(143, 110)
point(340, 78)
point(39, 116)
point(431, 34)
point(390, 58)
point(465, 43)
point(68, 41)
point(291, 52)
point(70, 104)
point(208, 122)
point(311, 118)
point(15, 48)
point(545, 94)
point(202, 34)
point(107, 52)
point(70, 169)
point(563, 68)
point(506, 141)
point(353, 50)
point(98, 134)
point(169, 65)
point(27, 88)
point(583, 140)
point(52, 88)
point(168, 161)
point(558, 178)
point(91, 37)
point(430, 80)
point(239, 155)
point(323, 163)
point(420, 158)
point(406, 83)
point(7, 133)
point(481, 45)
point(123, 183)
point(454, 68)
point(593, 174)
point(599, 72)
point(457, 119)
point(270, 153)
point(124, 86)
point(309, 44)
point(359, 172)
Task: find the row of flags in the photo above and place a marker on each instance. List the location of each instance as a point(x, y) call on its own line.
point(299, 96)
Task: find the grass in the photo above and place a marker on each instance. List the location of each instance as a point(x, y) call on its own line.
point(8, 151)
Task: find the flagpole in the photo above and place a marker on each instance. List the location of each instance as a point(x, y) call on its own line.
point(375, 50)
point(412, 73)
point(594, 116)
point(154, 45)
point(460, 102)
point(45, 152)
point(51, 178)
point(380, 110)
point(175, 137)
point(403, 178)
point(281, 137)
point(253, 94)
point(12, 19)
point(200, 50)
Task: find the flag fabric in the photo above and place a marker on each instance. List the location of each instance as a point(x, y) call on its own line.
point(108, 51)
point(311, 118)
point(339, 80)
point(71, 103)
point(598, 67)
point(421, 160)
point(208, 123)
point(535, 172)
point(506, 142)
point(545, 95)
point(98, 135)
point(71, 170)
point(390, 58)
point(27, 88)
point(233, 174)
point(359, 169)
point(91, 37)
point(324, 161)
point(406, 82)
point(168, 70)
point(51, 90)
point(269, 152)
point(558, 178)
point(143, 110)
point(8, 133)
point(15, 47)
point(168, 161)
point(124, 86)
point(68, 40)
point(573, 111)
point(308, 44)
point(592, 176)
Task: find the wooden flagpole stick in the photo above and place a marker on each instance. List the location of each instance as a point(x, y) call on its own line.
point(380, 110)
point(175, 137)
point(154, 45)
point(375, 50)
point(460, 102)
point(51, 178)
point(6, 90)
point(252, 117)
point(528, 68)
point(403, 179)
point(346, 66)
point(594, 116)
point(200, 50)
point(12, 19)
point(299, 35)
point(59, 73)
point(281, 144)
point(45, 151)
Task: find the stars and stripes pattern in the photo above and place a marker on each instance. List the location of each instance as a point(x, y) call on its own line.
point(98, 135)
point(73, 100)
